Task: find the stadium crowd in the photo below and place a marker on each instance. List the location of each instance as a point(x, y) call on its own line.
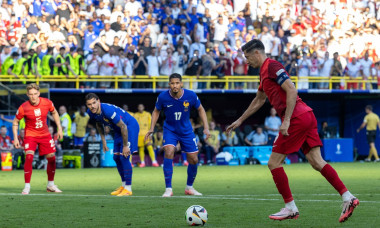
point(189, 37)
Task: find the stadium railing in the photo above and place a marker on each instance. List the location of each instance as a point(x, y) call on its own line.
point(363, 83)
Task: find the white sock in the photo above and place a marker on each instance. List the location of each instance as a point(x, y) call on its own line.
point(154, 161)
point(189, 187)
point(50, 183)
point(128, 187)
point(123, 184)
point(27, 185)
point(169, 189)
point(346, 196)
point(291, 205)
point(142, 162)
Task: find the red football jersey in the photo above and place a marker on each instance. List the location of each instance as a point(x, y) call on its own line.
point(35, 117)
point(272, 75)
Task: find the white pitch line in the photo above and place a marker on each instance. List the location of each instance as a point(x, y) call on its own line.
point(220, 197)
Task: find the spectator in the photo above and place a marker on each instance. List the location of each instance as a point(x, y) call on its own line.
point(267, 39)
point(5, 140)
point(314, 70)
point(323, 132)
point(325, 69)
point(220, 30)
point(167, 67)
point(107, 133)
point(92, 136)
point(197, 46)
point(81, 119)
point(272, 125)
point(108, 67)
point(212, 144)
point(304, 65)
point(352, 70)
point(366, 64)
point(93, 62)
point(194, 68)
point(128, 69)
point(230, 139)
point(257, 138)
point(153, 63)
point(66, 127)
point(336, 70)
point(240, 68)
point(140, 68)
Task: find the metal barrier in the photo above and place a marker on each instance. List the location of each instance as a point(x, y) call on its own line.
point(228, 80)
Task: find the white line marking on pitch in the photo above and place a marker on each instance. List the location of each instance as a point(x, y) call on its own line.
point(217, 197)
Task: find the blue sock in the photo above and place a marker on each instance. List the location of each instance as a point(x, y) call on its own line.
point(127, 168)
point(184, 156)
point(119, 166)
point(191, 174)
point(168, 171)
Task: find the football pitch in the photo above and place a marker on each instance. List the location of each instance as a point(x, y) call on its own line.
point(234, 196)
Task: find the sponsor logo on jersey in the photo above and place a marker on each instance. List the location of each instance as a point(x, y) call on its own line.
point(37, 112)
point(113, 115)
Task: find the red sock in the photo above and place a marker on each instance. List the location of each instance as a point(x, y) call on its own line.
point(282, 184)
point(51, 168)
point(332, 177)
point(28, 168)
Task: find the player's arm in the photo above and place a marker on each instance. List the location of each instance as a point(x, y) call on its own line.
point(58, 123)
point(363, 125)
point(291, 98)
point(100, 129)
point(255, 105)
point(124, 134)
point(203, 116)
point(155, 115)
point(15, 123)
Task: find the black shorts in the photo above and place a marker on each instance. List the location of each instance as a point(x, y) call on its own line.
point(371, 136)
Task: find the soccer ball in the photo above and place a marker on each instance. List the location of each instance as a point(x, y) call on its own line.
point(196, 215)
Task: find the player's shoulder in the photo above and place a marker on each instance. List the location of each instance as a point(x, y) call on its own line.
point(164, 95)
point(189, 93)
point(44, 100)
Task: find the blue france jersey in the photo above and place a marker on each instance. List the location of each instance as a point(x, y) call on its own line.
point(111, 115)
point(177, 111)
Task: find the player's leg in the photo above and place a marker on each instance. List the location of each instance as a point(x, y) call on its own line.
point(46, 147)
point(349, 201)
point(141, 145)
point(281, 180)
point(184, 159)
point(117, 148)
point(374, 151)
point(189, 146)
point(152, 155)
point(28, 169)
point(133, 132)
point(168, 169)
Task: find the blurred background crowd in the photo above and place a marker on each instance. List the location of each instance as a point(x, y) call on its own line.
point(190, 37)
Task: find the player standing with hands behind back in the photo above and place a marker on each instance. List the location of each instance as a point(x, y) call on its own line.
point(298, 130)
point(37, 133)
point(177, 103)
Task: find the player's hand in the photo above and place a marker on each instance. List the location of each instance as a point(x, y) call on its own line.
point(105, 147)
point(233, 126)
point(357, 130)
point(284, 127)
point(148, 134)
point(59, 134)
point(126, 151)
point(16, 143)
point(207, 133)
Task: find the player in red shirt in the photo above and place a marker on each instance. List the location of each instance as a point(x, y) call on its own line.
point(35, 112)
point(298, 130)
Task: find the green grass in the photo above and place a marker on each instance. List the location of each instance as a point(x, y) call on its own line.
point(234, 196)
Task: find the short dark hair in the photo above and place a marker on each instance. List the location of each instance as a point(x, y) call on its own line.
point(91, 96)
point(369, 107)
point(175, 75)
point(252, 45)
point(50, 49)
point(62, 48)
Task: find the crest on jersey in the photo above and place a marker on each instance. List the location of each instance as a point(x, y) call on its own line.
point(186, 105)
point(26, 145)
point(106, 120)
point(37, 112)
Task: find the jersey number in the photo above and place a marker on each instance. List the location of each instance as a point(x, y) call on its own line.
point(178, 115)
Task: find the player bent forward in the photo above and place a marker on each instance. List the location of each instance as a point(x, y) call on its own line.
point(126, 131)
point(37, 133)
point(177, 103)
point(298, 130)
